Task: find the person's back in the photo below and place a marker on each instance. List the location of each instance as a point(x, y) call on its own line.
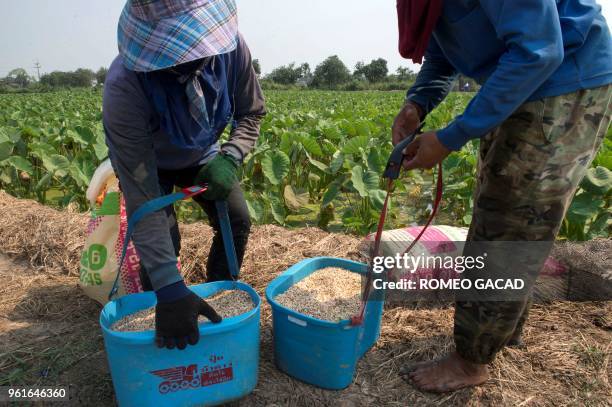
point(474, 35)
point(518, 51)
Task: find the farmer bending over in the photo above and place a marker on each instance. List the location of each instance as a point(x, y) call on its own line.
point(541, 114)
point(182, 74)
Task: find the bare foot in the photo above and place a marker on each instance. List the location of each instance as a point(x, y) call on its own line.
point(450, 373)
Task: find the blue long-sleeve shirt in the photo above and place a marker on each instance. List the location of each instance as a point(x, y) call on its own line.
point(519, 51)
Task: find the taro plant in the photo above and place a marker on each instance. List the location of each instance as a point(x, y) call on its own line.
point(318, 161)
point(50, 145)
point(589, 215)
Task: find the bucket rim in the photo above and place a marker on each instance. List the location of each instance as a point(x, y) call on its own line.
point(208, 328)
point(350, 265)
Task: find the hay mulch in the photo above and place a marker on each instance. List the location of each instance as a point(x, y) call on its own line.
point(49, 333)
point(44, 237)
point(50, 240)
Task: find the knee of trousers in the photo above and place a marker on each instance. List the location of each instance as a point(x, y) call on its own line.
point(241, 225)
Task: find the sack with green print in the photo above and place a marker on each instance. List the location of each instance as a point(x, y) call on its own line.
point(106, 231)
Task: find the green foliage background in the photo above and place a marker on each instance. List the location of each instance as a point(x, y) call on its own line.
point(318, 161)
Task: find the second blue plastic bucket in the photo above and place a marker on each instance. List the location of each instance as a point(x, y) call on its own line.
point(221, 367)
point(318, 352)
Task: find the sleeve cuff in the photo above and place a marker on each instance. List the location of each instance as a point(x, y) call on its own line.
point(164, 275)
point(421, 101)
point(453, 137)
point(233, 151)
point(172, 292)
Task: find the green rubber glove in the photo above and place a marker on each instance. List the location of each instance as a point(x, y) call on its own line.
point(220, 174)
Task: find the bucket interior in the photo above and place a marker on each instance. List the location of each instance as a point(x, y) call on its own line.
point(129, 304)
point(302, 270)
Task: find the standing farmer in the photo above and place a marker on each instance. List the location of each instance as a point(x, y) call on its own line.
point(182, 75)
point(541, 114)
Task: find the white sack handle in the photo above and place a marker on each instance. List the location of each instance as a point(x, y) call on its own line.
point(101, 176)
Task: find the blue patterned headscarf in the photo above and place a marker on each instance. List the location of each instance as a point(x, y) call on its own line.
point(192, 123)
point(159, 34)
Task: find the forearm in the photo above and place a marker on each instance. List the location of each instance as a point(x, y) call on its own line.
point(250, 107)
point(433, 82)
point(137, 173)
point(243, 137)
point(429, 91)
point(133, 158)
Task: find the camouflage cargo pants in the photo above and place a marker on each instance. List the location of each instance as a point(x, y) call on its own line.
point(529, 169)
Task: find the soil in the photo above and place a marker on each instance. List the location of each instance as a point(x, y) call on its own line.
point(49, 332)
point(49, 335)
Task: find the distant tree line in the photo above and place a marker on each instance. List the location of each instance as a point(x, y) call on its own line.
point(77, 79)
point(18, 80)
point(332, 73)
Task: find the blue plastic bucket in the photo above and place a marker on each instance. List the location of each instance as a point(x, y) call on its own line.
point(318, 352)
point(221, 367)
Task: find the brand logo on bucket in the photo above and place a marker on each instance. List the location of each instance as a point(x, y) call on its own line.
point(188, 377)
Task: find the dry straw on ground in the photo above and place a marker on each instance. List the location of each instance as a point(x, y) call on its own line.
point(50, 335)
point(43, 236)
point(229, 303)
point(331, 294)
point(49, 239)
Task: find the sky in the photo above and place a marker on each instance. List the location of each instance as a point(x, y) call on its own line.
point(70, 34)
